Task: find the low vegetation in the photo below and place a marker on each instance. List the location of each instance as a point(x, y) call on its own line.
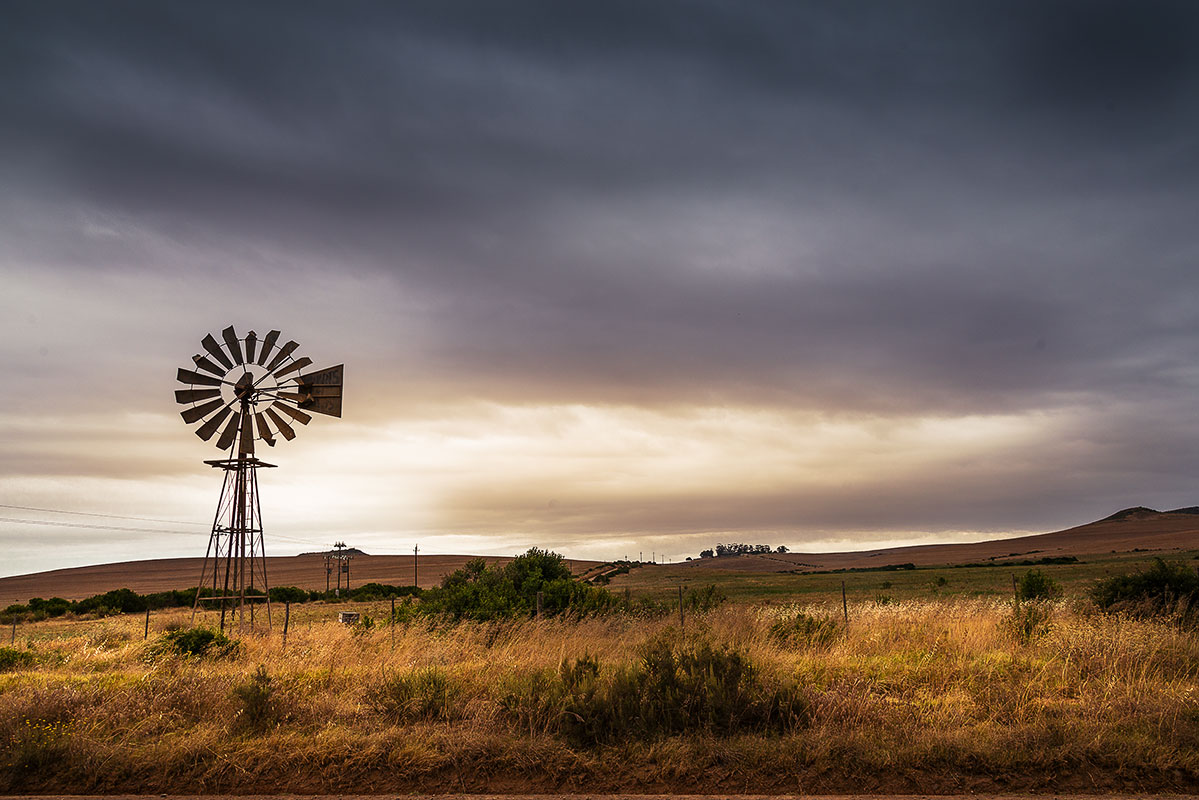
point(468, 687)
point(1166, 587)
point(1045, 695)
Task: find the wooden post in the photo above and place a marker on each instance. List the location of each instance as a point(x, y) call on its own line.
point(13, 640)
point(393, 624)
point(681, 621)
point(1015, 591)
point(286, 620)
point(146, 635)
point(844, 604)
point(415, 556)
point(539, 605)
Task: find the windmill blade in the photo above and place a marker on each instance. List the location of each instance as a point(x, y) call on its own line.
point(293, 366)
point(204, 363)
point(251, 340)
point(230, 337)
point(197, 413)
point(195, 395)
point(206, 430)
point(230, 432)
point(284, 351)
point(196, 379)
point(321, 390)
point(214, 350)
point(267, 344)
point(283, 427)
point(264, 430)
point(245, 444)
point(297, 415)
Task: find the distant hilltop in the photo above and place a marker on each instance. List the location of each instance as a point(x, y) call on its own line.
point(345, 551)
point(1141, 512)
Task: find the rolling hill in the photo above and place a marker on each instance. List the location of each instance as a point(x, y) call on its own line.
point(1130, 530)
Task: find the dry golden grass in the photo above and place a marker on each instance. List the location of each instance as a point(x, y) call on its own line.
point(928, 697)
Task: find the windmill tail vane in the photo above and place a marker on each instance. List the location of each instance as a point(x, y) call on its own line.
point(242, 390)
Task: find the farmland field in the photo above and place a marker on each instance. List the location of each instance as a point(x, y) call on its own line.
point(949, 690)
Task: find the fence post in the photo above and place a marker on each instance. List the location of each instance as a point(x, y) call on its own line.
point(393, 623)
point(844, 605)
point(13, 640)
point(146, 634)
point(286, 620)
point(681, 620)
point(1015, 591)
point(539, 605)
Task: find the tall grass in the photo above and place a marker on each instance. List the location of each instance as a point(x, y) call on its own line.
point(914, 696)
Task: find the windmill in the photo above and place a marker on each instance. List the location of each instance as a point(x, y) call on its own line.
point(247, 390)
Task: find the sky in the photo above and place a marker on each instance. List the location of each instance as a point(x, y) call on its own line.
point(607, 277)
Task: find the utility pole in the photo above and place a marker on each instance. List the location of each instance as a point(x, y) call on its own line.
point(341, 564)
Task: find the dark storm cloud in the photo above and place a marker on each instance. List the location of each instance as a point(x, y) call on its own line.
point(881, 207)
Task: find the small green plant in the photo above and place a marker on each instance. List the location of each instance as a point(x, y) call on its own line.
point(422, 694)
point(363, 626)
point(12, 658)
point(1036, 585)
point(196, 642)
point(704, 598)
point(1027, 622)
point(257, 709)
point(805, 630)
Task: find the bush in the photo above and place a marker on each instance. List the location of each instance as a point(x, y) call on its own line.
point(805, 630)
point(54, 607)
point(670, 689)
point(1027, 622)
point(117, 601)
point(1036, 585)
point(482, 593)
point(196, 642)
point(257, 709)
point(288, 594)
point(363, 626)
point(704, 598)
point(12, 658)
point(422, 694)
point(1165, 587)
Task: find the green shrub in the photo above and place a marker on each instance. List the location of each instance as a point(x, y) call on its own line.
point(805, 630)
point(363, 626)
point(422, 694)
point(481, 593)
point(670, 689)
point(196, 642)
point(1036, 585)
point(12, 658)
point(257, 708)
point(1165, 587)
point(704, 598)
point(1027, 622)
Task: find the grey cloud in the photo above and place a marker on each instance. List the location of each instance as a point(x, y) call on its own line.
point(939, 207)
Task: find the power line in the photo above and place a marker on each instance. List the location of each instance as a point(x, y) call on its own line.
point(94, 514)
point(92, 526)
